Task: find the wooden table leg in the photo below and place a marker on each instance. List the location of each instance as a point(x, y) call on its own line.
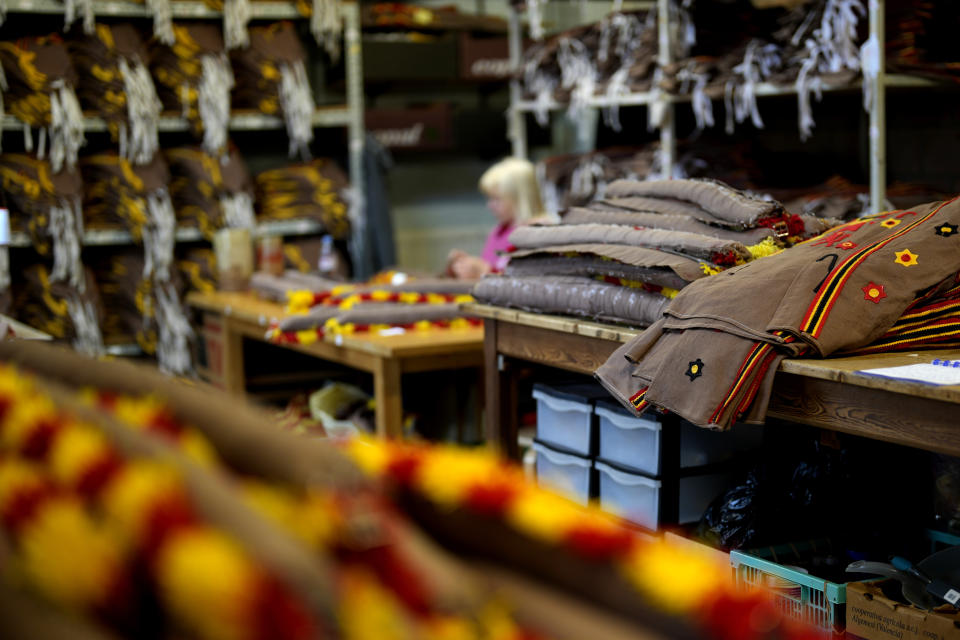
point(387, 395)
point(500, 391)
point(234, 376)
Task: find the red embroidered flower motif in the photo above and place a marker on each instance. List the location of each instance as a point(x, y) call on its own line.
point(874, 293)
point(891, 223)
point(847, 245)
point(906, 258)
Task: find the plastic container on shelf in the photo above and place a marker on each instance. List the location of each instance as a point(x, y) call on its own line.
point(565, 416)
point(633, 442)
point(568, 474)
point(636, 497)
point(800, 595)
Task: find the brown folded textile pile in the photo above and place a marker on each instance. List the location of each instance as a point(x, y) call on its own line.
point(276, 288)
point(876, 281)
point(64, 311)
point(197, 268)
point(208, 192)
point(309, 190)
point(40, 91)
point(115, 84)
point(143, 310)
point(574, 295)
point(47, 206)
point(654, 237)
point(136, 197)
point(193, 76)
point(921, 38)
point(272, 78)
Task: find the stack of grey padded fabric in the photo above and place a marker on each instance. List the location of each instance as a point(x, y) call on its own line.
point(622, 258)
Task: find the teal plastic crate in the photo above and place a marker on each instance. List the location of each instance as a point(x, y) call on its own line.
point(940, 540)
point(801, 596)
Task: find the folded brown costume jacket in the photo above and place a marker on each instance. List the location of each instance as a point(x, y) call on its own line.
point(711, 358)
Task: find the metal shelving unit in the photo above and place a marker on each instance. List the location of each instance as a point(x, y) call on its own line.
point(878, 180)
point(349, 115)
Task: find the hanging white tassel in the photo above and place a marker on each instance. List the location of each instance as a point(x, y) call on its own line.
point(174, 331)
point(42, 143)
point(66, 127)
point(870, 66)
point(3, 11)
point(213, 101)
point(4, 268)
point(296, 103)
point(27, 138)
point(159, 235)
point(236, 15)
point(759, 62)
point(535, 18)
point(578, 73)
point(162, 14)
point(238, 210)
point(587, 180)
point(66, 231)
point(143, 113)
point(617, 86)
point(82, 314)
point(326, 25)
point(549, 192)
point(3, 88)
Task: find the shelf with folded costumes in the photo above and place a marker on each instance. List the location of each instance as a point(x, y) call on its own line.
point(891, 283)
point(734, 54)
point(325, 15)
point(622, 258)
point(321, 307)
point(573, 180)
point(147, 493)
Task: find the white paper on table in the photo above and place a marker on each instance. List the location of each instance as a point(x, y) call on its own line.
point(939, 372)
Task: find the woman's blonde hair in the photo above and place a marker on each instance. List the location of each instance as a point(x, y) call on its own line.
point(516, 180)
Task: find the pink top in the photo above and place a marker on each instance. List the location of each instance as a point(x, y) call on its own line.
point(497, 241)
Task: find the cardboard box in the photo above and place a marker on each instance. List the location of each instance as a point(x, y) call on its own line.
point(873, 616)
point(420, 128)
point(484, 58)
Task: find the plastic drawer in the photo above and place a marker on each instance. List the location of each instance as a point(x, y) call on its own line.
point(565, 473)
point(635, 443)
point(565, 420)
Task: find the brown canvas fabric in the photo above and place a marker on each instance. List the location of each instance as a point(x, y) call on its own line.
point(550, 265)
point(308, 190)
point(688, 269)
point(210, 192)
point(717, 199)
point(717, 345)
point(695, 245)
point(678, 222)
point(577, 296)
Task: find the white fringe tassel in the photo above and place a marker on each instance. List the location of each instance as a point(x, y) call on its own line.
point(159, 235)
point(142, 141)
point(214, 101)
point(162, 14)
point(238, 210)
point(66, 229)
point(326, 25)
point(296, 102)
point(174, 332)
point(236, 15)
point(84, 317)
point(66, 127)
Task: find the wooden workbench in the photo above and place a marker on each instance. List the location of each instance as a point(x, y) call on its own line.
point(239, 316)
point(827, 393)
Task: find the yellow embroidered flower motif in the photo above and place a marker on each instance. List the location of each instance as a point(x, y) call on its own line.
point(409, 297)
point(307, 336)
point(905, 258)
point(299, 301)
point(380, 295)
point(891, 223)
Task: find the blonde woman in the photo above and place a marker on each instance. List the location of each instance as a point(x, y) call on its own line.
point(513, 196)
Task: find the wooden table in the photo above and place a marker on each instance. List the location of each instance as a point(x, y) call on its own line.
point(822, 393)
point(239, 316)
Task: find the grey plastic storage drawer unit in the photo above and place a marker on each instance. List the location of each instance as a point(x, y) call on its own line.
point(565, 416)
point(568, 474)
point(637, 497)
point(633, 442)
